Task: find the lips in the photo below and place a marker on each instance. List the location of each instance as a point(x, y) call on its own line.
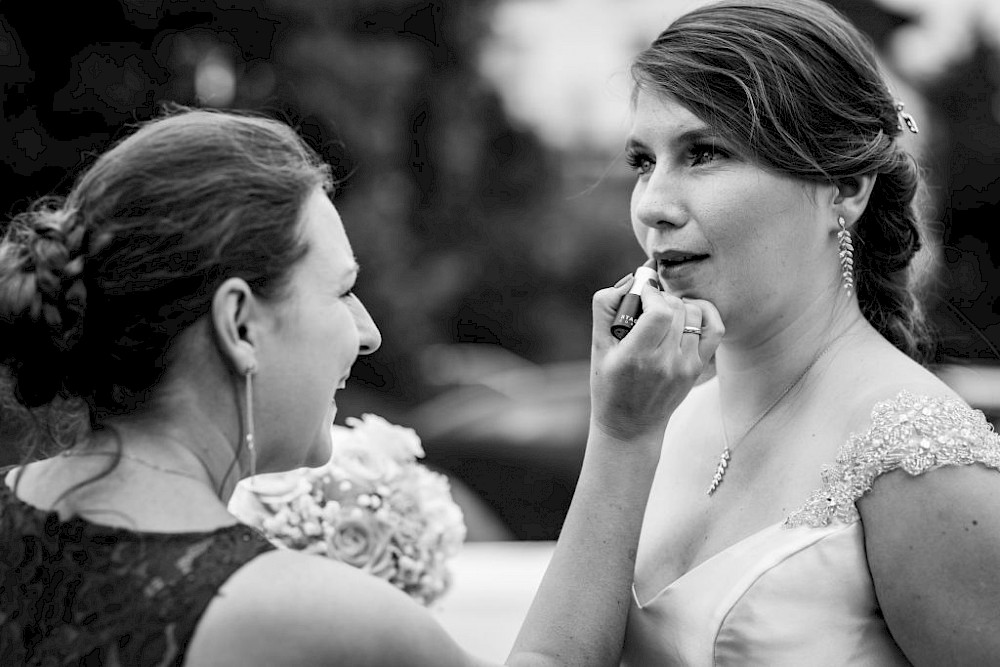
point(679, 269)
point(677, 257)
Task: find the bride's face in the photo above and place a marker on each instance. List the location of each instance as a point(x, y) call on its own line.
point(722, 228)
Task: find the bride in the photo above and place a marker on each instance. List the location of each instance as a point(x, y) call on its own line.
point(772, 182)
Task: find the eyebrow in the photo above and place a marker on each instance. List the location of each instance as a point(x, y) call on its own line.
point(694, 135)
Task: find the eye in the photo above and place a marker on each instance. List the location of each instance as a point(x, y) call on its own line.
point(704, 153)
point(639, 162)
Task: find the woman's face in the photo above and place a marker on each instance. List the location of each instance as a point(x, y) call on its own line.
point(720, 227)
point(318, 333)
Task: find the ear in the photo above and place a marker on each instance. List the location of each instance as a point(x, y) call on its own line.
point(852, 194)
point(234, 319)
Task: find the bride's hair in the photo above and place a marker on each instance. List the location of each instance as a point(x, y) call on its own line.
point(797, 85)
point(95, 287)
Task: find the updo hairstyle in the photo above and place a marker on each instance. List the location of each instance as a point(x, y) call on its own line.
point(796, 85)
point(94, 287)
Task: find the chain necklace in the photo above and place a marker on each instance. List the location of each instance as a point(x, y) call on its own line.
point(144, 462)
point(720, 469)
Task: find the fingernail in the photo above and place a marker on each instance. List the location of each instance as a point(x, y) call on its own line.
point(624, 280)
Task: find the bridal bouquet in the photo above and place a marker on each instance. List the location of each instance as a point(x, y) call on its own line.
point(373, 506)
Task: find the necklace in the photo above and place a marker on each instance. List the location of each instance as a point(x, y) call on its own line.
point(720, 469)
point(130, 457)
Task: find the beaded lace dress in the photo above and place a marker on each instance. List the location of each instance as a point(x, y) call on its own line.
point(77, 593)
point(799, 592)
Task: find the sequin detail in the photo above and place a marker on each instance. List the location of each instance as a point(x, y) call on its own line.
point(915, 433)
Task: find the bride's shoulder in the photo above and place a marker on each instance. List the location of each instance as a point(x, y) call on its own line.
point(899, 421)
point(925, 480)
point(878, 379)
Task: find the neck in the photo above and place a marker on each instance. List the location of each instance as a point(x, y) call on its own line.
point(192, 447)
point(754, 369)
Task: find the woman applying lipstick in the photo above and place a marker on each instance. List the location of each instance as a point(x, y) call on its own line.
point(772, 180)
point(194, 296)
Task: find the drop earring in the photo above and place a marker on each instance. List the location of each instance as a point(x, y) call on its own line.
point(846, 252)
point(248, 435)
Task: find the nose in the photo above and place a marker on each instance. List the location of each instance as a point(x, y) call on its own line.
point(656, 201)
point(370, 339)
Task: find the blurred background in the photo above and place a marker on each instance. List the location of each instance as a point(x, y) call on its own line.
point(479, 144)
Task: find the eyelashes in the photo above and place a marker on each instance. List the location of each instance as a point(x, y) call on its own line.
point(705, 152)
point(638, 161)
point(696, 154)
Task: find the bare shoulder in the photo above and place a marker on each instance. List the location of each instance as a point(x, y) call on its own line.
point(877, 372)
point(932, 525)
point(286, 607)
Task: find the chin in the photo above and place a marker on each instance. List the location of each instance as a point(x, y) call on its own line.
point(321, 449)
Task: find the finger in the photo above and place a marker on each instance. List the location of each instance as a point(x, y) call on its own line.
point(712, 328)
point(658, 324)
point(606, 300)
point(605, 307)
point(692, 318)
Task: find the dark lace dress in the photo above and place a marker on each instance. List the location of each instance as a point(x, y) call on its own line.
point(78, 593)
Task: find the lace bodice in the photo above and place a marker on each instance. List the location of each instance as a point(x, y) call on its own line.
point(799, 592)
point(912, 433)
point(76, 593)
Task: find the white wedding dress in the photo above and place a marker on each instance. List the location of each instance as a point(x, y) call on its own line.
point(799, 592)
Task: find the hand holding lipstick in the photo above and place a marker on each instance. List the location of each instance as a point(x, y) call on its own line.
point(631, 304)
point(638, 379)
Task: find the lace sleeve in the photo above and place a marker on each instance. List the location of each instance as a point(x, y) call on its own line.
point(914, 433)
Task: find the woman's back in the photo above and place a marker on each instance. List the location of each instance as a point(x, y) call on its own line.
point(73, 591)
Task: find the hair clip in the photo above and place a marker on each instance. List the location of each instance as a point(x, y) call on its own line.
point(906, 118)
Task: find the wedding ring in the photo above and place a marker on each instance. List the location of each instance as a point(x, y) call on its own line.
point(694, 330)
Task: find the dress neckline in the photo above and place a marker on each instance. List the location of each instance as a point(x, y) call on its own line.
point(703, 564)
point(50, 517)
point(901, 397)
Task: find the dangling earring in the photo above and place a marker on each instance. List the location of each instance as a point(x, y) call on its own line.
point(846, 255)
point(248, 420)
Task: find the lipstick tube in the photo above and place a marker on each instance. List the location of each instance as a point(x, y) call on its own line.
point(631, 306)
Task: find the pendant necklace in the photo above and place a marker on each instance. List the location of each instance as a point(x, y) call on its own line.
point(720, 469)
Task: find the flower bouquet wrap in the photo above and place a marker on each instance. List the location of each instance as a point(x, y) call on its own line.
point(373, 506)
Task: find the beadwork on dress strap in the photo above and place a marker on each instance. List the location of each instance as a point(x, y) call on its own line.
point(910, 432)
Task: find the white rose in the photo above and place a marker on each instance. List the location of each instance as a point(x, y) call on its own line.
point(399, 443)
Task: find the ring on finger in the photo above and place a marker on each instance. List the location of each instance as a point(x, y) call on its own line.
point(692, 330)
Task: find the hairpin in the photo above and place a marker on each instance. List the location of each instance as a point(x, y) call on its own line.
point(906, 118)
